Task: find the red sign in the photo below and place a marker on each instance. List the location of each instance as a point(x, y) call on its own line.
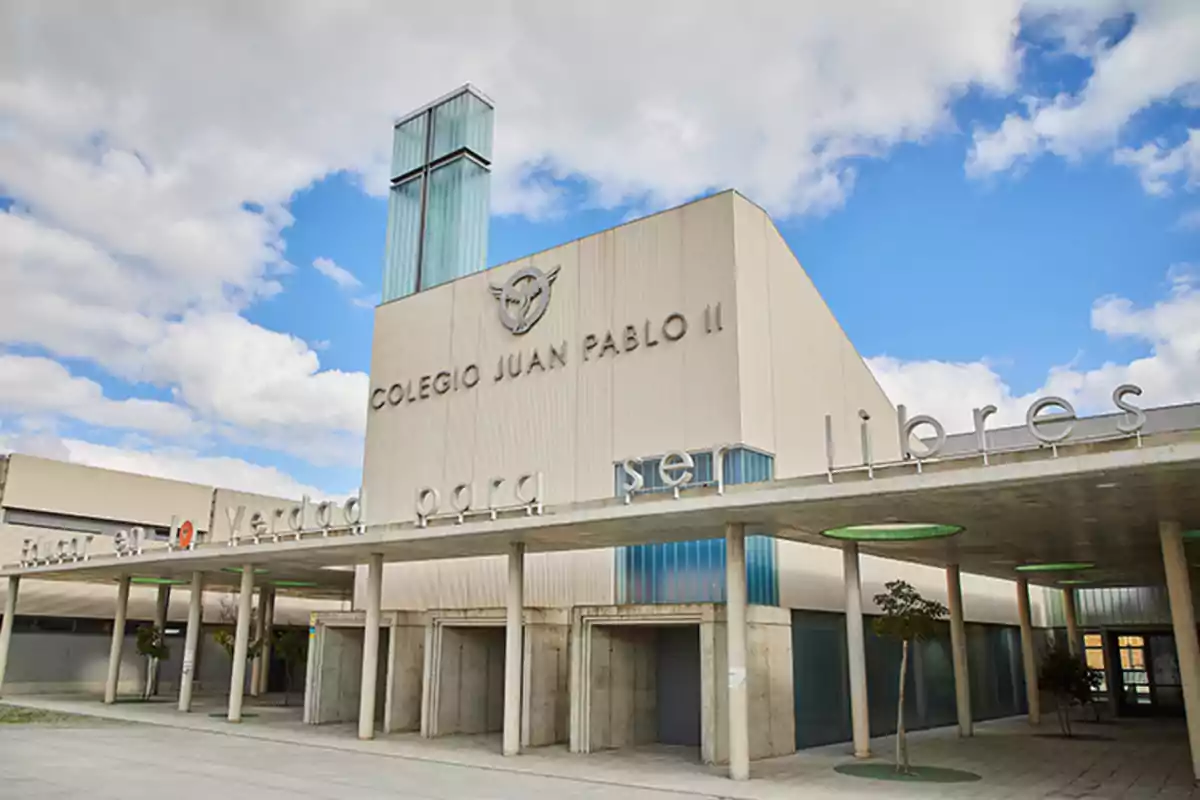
point(186, 531)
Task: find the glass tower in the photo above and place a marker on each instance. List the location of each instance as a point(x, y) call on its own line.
point(438, 204)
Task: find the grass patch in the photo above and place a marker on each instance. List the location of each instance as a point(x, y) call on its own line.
point(17, 715)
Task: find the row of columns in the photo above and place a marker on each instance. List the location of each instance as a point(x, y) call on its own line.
point(191, 638)
point(736, 602)
point(1183, 621)
point(1174, 560)
point(855, 649)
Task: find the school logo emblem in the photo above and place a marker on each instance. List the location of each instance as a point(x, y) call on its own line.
point(524, 298)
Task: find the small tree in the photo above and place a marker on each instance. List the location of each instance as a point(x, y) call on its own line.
point(1070, 680)
point(228, 642)
point(291, 646)
point(906, 617)
point(152, 644)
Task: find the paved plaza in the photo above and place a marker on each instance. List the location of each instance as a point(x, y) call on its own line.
point(148, 750)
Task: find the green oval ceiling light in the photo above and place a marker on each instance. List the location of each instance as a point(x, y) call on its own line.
point(238, 570)
point(143, 580)
point(296, 584)
point(892, 532)
point(1074, 582)
point(1063, 566)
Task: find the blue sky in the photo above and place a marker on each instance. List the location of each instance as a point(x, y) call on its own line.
point(981, 227)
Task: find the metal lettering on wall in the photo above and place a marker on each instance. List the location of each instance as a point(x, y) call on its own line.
point(521, 302)
point(526, 496)
point(1050, 420)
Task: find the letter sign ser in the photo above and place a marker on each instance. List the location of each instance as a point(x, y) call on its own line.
point(675, 469)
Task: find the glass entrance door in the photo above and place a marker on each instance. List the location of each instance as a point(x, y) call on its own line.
point(1135, 678)
point(1149, 674)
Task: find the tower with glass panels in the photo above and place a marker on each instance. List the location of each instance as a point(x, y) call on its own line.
point(438, 204)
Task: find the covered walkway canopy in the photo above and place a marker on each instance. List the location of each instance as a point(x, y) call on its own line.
point(1119, 505)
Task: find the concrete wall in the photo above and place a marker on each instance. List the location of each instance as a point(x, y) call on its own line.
point(52, 662)
point(463, 688)
point(337, 678)
point(623, 684)
point(59, 487)
point(65, 662)
point(810, 578)
point(551, 580)
point(613, 690)
point(573, 422)
point(545, 694)
point(471, 675)
point(405, 674)
point(795, 363)
point(769, 683)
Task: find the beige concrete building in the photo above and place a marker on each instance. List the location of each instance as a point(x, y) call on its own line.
point(640, 488)
point(49, 506)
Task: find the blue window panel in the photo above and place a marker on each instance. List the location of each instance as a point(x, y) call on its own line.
point(403, 234)
point(694, 572)
point(456, 222)
point(408, 146)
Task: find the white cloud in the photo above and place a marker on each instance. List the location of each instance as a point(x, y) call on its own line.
point(339, 275)
point(1157, 165)
point(773, 99)
point(153, 181)
point(1170, 374)
point(1159, 60)
point(33, 385)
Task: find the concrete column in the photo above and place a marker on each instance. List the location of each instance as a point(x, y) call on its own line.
point(1183, 619)
point(1028, 656)
point(162, 605)
point(958, 648)
point(118, 640)
point(191, 641)
point(264, 674)
point(260, 624)
point(514, 649)
point(241, 644)
point(860, 716)
point(370, 656)
point(735, 640)
point(1074, 640)
point(6, 625)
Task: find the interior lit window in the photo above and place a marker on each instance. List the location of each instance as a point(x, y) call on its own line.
point(1093, 653)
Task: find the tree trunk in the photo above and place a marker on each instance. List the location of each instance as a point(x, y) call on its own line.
point(148, 688)
point(901, 741)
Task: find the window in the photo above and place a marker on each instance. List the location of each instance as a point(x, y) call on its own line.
point(1093, 653)
point(441, 183)
point(694, 572)
point(1136, 681)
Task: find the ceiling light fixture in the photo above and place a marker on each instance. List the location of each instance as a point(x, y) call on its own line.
point(892, 532)
point(1062, 566)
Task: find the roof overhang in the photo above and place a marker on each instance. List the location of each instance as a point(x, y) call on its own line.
point(1098, 502)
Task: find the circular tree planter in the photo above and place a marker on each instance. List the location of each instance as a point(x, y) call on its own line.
point(915, 774)
point(1082, 737)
